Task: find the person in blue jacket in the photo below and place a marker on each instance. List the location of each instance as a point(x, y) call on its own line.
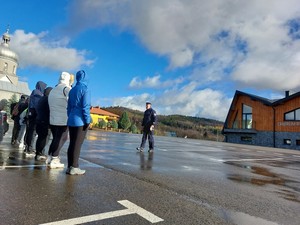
point(79, 118)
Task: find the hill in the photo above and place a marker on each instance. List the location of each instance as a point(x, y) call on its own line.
point(177, 125)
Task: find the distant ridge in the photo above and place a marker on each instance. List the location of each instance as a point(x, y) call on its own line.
point(176, 125)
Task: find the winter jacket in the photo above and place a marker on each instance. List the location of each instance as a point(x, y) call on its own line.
point(42, 108)
point(58, 100)
point(79, 102)
point(149, 118)
point(35, 96)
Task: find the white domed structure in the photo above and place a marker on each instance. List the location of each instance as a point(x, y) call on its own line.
point(9, 81)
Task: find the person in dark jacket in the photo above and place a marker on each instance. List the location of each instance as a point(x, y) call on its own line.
point(42, 125)
point(15, 111)
point(148, 123)
point(35, 96)
point(79, 118)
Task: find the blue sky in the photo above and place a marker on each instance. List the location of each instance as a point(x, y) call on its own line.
point(187, 57)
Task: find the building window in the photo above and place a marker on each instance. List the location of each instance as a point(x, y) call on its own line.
point(246, 138)
point(292, 115)
point(287, 141)
point(297, 142)
point(247, 117)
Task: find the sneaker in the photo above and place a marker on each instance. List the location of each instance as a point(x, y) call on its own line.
point(21, 146)
point(140, 149)
point(48, 160)
point(151, 150)
point(40, 157)
point(29, 153)
point(55, 163)
point(75, 171)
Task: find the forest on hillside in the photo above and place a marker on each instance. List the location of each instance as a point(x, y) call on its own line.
point(176, 125)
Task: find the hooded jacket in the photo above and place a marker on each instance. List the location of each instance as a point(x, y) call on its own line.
point(58, 100)
point(36, 94)
point(79, 102)
point(42, 108)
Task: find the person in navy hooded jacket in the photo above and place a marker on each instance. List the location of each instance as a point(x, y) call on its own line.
point(78, 120)
point(34, 98)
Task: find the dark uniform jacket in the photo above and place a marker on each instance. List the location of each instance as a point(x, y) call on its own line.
point(149, 118)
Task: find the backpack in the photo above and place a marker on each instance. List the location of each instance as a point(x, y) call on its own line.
point(15, 111)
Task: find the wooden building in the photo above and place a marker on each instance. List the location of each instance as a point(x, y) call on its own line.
point(259, 121)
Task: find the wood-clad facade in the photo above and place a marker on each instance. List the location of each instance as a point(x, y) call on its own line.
point(259, 121)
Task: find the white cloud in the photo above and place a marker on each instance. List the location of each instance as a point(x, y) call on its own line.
point(55, 55)
point(153, 82)
point(187, 100)
point(186, 32)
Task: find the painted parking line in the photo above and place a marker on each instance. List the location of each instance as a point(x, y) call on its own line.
point(131, 209)
point(246, 160)
point(21, 166)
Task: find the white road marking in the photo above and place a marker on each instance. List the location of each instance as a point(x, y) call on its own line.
point(131, 209)
point(23, 166)
point(245, 160)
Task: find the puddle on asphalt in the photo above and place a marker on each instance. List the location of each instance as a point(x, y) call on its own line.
point(266, 177)
point(243, 218)
point(234, 217)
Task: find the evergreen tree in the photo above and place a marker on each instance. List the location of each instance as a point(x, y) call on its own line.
point(124, 121)
point(114, 124)
point(102, 124)
point(133, 128)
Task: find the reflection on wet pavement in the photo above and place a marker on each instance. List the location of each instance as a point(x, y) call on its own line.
point(146, 164)
point(266, 177)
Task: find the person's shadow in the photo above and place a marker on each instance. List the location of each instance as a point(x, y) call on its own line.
point(148, 163)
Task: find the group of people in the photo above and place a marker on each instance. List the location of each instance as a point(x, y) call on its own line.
point(58, 111)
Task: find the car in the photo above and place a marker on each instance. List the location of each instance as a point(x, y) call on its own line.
point(4, 126)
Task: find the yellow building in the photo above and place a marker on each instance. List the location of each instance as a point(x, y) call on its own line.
point(98, 115)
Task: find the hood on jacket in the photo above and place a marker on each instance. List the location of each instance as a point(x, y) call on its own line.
point(40, 85)
point(47, 91)
point(81, 77)
point(64, 78)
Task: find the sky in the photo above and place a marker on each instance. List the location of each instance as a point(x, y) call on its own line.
point(187, 57)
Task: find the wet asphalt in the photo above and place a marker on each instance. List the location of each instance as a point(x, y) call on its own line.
point(184, 181)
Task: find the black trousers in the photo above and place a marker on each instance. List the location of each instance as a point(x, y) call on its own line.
point(60, 136)
point(42, 129)
point(147, 133)
point(16, 129)
point(77, 135)
point(30, 132)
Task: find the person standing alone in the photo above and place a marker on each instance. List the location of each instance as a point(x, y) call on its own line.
point(148, 123)
point(79, 118)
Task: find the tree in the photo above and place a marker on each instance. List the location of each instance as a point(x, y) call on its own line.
point(124, 121)
point(114, 124)
point(133, 128)
point(102, 124)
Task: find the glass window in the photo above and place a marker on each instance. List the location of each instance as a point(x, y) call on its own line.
point(297, 142)
point(292, 115)
point(297, 114)
point(247, 109)
point(246, 138)
point(247, 117)
point(289, 116)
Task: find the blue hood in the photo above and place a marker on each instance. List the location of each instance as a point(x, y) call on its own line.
point(81, 77)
